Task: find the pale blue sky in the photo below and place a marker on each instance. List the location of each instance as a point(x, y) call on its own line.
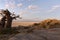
point(35, 10)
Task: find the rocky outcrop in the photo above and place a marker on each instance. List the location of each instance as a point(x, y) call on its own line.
point(44, 34)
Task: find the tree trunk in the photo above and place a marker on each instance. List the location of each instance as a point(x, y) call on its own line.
point(8, 22)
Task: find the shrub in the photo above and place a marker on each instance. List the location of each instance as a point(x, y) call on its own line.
point(9, 31)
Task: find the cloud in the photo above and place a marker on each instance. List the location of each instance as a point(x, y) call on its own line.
point(20, 5)
point(24, 12)
point(10, 5)
point(32, 7)
point(6, 5)
point(54, 8)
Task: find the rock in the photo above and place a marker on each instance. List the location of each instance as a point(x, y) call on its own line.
point(45, 34)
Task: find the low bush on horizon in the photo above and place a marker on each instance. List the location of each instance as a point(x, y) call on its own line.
point(47, 24)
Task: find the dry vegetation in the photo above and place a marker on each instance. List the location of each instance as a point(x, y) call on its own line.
point(49, 23)
point(46, 24)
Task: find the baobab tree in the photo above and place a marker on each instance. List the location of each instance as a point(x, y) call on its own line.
point(7, 19)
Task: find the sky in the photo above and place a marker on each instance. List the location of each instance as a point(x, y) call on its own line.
point(33, 10)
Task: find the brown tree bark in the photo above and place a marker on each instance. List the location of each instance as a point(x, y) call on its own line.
point(8, 18)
